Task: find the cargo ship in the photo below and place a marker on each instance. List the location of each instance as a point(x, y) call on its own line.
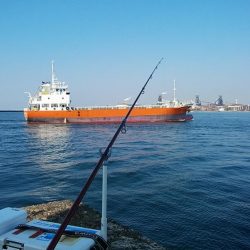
point(52, 104)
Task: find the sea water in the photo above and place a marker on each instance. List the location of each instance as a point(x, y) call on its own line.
point(184, 185)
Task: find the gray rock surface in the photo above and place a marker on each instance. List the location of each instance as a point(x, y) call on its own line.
point(119, 237)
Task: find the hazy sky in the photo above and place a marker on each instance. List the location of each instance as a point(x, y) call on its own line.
point(105, 50)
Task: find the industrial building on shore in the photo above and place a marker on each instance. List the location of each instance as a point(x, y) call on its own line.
point(218, 105)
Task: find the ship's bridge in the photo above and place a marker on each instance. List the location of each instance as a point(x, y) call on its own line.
point(52, 95)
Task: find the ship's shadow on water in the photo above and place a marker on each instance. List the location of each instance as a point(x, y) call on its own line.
point(185, 185)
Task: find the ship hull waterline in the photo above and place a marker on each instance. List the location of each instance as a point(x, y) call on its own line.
point(88, 116)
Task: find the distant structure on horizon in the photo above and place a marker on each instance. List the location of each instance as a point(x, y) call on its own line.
point(197, 100)
point(219, 101)
point(218, 105)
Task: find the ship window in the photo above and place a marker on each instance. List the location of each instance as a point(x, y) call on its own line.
point(63, 104)
point(54, 105)
point(45, 105)
point(67, 93)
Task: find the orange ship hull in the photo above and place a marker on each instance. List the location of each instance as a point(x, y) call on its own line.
point(109, 115)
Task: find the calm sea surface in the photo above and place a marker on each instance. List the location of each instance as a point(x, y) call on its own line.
point(185, 185)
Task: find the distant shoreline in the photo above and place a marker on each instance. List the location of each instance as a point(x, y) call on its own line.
point(11, 110)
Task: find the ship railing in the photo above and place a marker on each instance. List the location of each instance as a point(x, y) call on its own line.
point(122, 107)
point(100, 107)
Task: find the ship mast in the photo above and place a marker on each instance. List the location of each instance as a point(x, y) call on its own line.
point(53, 74)
point(174, 92)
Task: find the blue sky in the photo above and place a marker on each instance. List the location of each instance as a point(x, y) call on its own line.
point(105, 50)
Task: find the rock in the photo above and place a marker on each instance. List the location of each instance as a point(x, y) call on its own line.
point(119, 237)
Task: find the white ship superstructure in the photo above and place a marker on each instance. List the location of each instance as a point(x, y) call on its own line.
point(52, 95)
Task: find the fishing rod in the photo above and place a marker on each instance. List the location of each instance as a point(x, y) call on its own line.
point(104, 157)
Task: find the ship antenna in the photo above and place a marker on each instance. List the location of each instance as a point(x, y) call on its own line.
point(104, 157)
point(52, 72)
point(174, 91)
